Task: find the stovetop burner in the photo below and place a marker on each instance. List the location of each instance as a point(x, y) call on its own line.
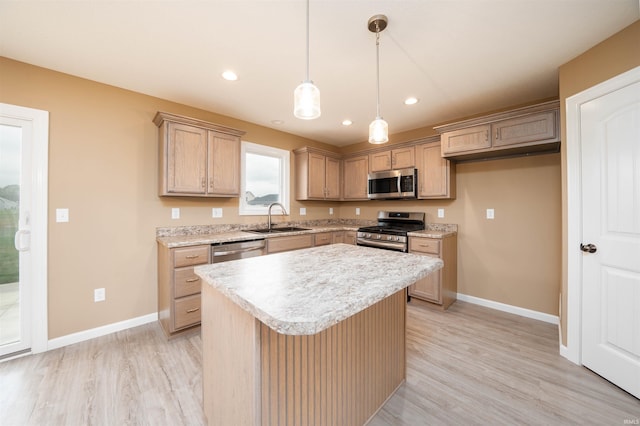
point(391, 231)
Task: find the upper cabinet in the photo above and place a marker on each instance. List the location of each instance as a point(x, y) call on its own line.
point(197, 158)
point(317, 174)
point(523, 131)
point(355, 171)
point(400, 158)
point(436, 175)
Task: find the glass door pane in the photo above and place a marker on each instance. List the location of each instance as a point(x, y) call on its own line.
point(10, 169)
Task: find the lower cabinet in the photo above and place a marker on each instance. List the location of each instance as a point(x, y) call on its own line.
point(295, 242)
point(441, 287)
point(179, 287)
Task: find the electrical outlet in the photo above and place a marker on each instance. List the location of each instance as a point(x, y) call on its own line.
point(357, 211)
point(440, 213)
point(99, 295)
point(62, 215)
point(491, 214)
point(330, 210)
point(216, 212)
point(303, 211)
point(175, 213)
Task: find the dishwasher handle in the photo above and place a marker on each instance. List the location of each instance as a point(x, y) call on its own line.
point(230, 252)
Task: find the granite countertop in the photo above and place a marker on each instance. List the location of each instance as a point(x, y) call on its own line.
point(191, 236)
point(306, 291)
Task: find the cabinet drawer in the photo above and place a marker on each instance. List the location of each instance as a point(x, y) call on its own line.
point(186, 282)
point(188, 256)
point(275, 245)
point(186, 311)
point(323, 239)
point(424, 245)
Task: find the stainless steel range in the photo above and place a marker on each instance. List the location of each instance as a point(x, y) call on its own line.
point(391, 231)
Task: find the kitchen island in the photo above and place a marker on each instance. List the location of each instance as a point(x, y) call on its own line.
point(313, 336)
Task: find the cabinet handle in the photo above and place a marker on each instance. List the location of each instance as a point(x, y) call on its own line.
point(192, 310)
point(498, 134)
point(192, 256)
point(204, 183)
point(210, 183)
point(486, 136)
point(193, 280)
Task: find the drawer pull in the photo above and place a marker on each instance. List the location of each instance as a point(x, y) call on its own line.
point(193, 280)
point(192, 310)
point(192, 256)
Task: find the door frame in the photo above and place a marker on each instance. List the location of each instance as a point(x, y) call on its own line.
point(573, 350)
point(39, 218)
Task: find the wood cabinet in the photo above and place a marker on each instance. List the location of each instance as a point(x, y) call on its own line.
point(439, 288)
point(323, 238)
point(523, 131)
point(179, 287)
point(355, 171)
point(436, 175)
point(317, 174)
point(197, 158)
point(350, 237)
point(294, 242)
point(400, 158)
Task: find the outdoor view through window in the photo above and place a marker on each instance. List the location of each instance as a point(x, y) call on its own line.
point(262, 180)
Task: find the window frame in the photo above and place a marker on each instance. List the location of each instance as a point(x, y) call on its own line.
point(284, 157)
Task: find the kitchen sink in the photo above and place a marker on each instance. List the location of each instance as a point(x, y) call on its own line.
point(276, 230)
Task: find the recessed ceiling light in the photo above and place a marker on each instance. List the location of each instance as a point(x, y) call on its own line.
point(229, 75)
point(411, 101)
point(277, 122)
point(347, 122)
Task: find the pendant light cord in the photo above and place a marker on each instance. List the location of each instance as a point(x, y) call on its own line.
point(308, 60)
point(378, 71)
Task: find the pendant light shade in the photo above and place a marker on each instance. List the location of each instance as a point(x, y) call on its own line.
point(378, 129)
point(306, 101)
point(306, 97)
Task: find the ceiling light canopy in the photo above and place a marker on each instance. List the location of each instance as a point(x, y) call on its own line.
point(229, 75)
point(411, 101)
point(306, 97)
point(378, 129)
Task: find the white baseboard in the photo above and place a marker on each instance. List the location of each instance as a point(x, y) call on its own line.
point(523, 312)
point(81, 336)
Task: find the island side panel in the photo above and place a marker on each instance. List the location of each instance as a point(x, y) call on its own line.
point(307, 380)
point(230, 361)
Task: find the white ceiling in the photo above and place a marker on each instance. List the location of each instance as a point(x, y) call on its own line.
point(458, 57)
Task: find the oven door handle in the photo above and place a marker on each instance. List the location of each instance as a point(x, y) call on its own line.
point(383, 244)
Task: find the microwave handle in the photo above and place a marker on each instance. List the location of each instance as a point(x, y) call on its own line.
point(399, 185)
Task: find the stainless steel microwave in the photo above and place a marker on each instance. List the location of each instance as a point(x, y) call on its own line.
point(392, 184)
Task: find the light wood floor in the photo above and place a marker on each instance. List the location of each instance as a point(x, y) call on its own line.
point(469, 365)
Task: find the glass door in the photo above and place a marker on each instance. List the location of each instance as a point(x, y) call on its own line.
point(14, 237)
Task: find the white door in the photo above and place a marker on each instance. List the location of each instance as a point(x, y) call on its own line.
point(610, 146)
point(23, 215)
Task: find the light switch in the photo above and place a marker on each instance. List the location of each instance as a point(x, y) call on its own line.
point(330, 210)
point(175, 213)
point(440, 213)
point(303, 211)
point(216, 212)
point(357, 211)
point(62, 215)
point(490, 214)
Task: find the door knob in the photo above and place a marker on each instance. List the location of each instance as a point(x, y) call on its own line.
point(588, 248)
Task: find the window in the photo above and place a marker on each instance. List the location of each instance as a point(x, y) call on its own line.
point(265, 178)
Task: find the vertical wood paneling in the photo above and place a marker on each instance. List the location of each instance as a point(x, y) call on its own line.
point(340, 376)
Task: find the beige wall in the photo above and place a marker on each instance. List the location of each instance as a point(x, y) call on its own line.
point(613, 56)
point(103, 167)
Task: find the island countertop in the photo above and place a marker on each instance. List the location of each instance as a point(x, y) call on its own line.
point(304, 292)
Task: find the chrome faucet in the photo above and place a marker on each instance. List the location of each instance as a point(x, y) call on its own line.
point(284, 212)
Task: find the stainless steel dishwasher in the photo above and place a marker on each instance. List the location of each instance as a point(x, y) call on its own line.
point(223, 252)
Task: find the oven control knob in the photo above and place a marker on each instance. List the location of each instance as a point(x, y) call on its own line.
point(389, 238)
point(368, 236)
point(378, 236)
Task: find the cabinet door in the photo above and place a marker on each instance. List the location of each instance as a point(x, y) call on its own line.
point(436, 178)
point(223, 164)
point(380, 161)
point(317, 173)
point(402, 158)
point(463, 140)
point(186, 151)
point(355, 178)
point(428, 288)
point(332, 178)
point(526, 129)
point(350, 237)
point(338, 237)
point(322, 239)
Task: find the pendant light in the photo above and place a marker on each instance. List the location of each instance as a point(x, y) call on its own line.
point(378, 129)
point(306, 97)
